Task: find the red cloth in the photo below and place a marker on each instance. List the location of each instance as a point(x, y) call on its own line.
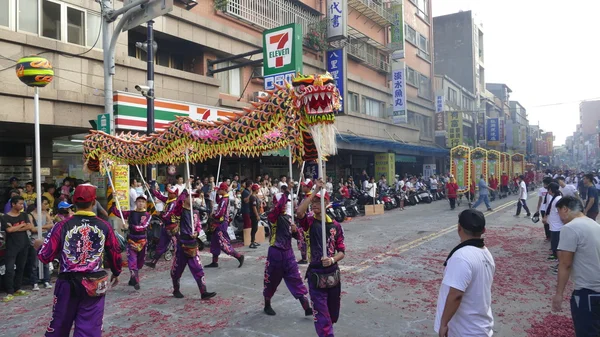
point(247, 221)
point(345, 192)
point(452, 188)
point(504, 180)
point(493, 183)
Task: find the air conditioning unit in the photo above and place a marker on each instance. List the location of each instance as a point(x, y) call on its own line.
point(256, 95)
point(257, 72)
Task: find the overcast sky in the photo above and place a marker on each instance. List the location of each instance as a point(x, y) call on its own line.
point(545, 51)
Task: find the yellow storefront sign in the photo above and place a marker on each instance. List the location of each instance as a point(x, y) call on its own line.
point(121, 188)
point(455, 128)
point(385, 163)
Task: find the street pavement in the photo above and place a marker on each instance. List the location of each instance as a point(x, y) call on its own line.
point(391, 276)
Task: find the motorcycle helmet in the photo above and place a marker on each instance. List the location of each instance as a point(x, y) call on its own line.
point(536, 217)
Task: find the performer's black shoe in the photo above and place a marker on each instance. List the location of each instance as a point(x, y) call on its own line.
point(136, 286)
point(177, 294)
point(212, 265)
point(241, 260)
point(303, 261)
point(150, 264)
point(257, 244)
point(269, 311)
point(208, 295)
point(308, 312)
point(253, 245)
point(131, 281)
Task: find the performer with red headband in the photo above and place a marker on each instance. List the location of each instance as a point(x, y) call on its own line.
point(169, 226)
point(220, 239)
point(281, 262)
point(80, 242)
point(323, 273)
point(138, 221)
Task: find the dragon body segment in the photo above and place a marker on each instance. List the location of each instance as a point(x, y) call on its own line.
point(299, 115)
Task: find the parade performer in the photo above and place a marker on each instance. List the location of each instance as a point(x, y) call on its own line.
point(306, 187)
point(169, 227)
point(138, 221)
point(323, 273)
point(281, 262)
point(186, 251)
point(81, 242)
point(220, 221)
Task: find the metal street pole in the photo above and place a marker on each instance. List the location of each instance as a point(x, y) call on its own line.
point(150, 83)
point(106, 5)
point(38, 168)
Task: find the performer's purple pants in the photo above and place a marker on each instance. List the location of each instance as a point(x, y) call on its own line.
point(181, 260)
point(135, 261)
point(301, 243)
point(87, 312)
point(163, 244)
point(326, 305)
point(220, 241)
point(281, 264)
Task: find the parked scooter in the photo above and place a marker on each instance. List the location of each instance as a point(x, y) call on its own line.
point(339, 210)
point(425, 195)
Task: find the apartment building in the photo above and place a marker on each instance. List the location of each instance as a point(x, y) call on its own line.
point(459, 108)
point(67, 32)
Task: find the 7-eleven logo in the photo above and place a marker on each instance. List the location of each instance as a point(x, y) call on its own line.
point(279, 48)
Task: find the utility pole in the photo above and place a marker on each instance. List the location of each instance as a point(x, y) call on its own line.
point(151, 48)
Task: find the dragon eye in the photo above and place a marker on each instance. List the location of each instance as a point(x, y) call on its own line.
point(328, 81)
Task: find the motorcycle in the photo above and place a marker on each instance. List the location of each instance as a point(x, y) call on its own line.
point(339, 210)
point(351, 207)
point(388, 202)
point(264, 221)
point(425, 196)
point(412, 198)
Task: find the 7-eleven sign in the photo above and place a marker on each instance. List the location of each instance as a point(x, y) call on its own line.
point(282, 50)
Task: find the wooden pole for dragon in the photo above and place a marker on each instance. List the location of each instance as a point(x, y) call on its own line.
point(145, 184)
point(322, 191)
point(187, 172)
point(291, 175)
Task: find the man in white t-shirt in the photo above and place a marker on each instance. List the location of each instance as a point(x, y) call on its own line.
point(579, 255)
point(464, 306)
point(567, 190)
point(522, 202)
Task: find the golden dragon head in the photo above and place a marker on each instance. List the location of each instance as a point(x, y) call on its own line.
point(316, 96)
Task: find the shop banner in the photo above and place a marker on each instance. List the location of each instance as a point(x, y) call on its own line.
point(493, 135)
point(481, 123)
point(311, 169)
point(455, 128)
point(440, 124)
point(399, 93)
point(336, 66)
point(337, 15)
point(121, 185)
point(501, 131)
point(385, 163)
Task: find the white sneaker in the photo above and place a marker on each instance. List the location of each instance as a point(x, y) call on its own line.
point(47, 285)
point(36, 287)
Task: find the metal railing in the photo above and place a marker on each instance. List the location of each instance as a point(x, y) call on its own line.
point(269, 14)
point(358, 49)
point(378, 6)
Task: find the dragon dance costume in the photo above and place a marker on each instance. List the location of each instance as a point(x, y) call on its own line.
point(80, 242)
point(186, 250)
point(220, 239)
point(281, 262)
point(138, 222)
point(323, 282)
point(169, 227)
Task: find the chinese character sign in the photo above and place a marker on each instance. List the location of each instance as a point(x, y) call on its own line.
point(335, 66)
point(493, 132)
point(397, 27)
point(385, 163)
point(399, 95)
point(336, 19)
point(439, 103)
point(440, 124)
point(455, 128)
point(481, 119)
point(501, 128)
point(121, 185)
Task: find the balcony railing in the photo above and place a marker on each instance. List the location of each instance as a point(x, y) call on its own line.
point(376, 10)
point(269, 14)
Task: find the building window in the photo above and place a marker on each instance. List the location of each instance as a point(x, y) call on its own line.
point(372, 107)
point(411, 34)
point(423, 44)
point(5, 9)
point(353, 101)
point(424, 87)
point(51, 20)
point(93, 30)
point(422, 9)
point(231, 80)
point(75, 26)
point(452, 95)
point(28, 16)
point(411, 77)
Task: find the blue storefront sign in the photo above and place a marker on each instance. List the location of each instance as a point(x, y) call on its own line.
point(335, 66)
point(493, 134)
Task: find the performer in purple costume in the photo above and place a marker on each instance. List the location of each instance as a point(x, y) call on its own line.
point(80, 242)
point(220, 238)
point(306, 187)
point(186, 250)
point(281, 262)
point(138, 222)
point(323, 272)
point(169, 227)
